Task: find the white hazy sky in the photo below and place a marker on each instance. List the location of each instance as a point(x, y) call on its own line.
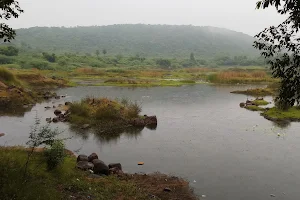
point(238, 15)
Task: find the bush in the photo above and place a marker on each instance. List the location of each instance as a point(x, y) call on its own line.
point(37, 64)
point(49, 57)
point(55, 155)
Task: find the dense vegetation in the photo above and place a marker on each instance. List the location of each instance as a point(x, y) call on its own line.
point(19, 58)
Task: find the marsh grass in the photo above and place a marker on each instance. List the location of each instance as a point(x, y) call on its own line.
point(8, 77)
point(94, 110)
point(239, 77)
point(292, 113)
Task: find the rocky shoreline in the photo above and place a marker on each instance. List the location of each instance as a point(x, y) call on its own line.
point(95, 166)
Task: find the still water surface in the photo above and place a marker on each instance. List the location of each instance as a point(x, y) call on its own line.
point(224, 151)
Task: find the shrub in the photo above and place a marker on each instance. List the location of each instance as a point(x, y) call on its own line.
point(55, 155)
point(49, 57)
point(37, 64)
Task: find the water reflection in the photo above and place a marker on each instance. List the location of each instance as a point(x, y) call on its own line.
point(15, 111)
point(282, 124)
point(108, 136)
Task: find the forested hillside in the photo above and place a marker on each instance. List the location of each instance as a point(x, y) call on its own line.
point(145, 40)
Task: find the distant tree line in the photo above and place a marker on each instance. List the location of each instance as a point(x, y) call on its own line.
point(44, 60)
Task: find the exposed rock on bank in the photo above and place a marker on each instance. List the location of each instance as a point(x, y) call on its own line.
point(97, 166)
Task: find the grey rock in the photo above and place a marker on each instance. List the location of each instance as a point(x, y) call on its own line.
point(57, 112)
point(84, 165)
point(82, 158)
point(115, 165)
point(95, 161)
point(115, 170)
point(92, 157)
point(100, 167)
point(55, 119)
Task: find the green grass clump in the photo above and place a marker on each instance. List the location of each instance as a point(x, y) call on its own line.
point(81, 109)
point(95, 110)
point(254, 108)
point(290, 114)
point(60, 183)
point(260, 102)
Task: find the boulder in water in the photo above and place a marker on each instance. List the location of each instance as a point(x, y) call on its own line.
point(100, 167)
point(57, 112)
point(55, 119)
point(115, 165)
point(82, 158)
point(84, 165)
point(92, 157)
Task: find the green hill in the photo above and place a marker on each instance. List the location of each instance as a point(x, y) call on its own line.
point(146, 40)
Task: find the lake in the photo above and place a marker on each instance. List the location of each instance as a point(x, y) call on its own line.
point(226, 152)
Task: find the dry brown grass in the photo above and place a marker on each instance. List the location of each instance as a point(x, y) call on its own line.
point(154, 184)
point(234, 74)
point(240, 77)
point(38, 80)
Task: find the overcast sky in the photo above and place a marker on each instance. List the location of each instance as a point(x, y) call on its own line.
point(238, 15)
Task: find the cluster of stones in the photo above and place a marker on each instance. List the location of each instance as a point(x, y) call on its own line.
point(49, 95)
point(60, 116)
point(97, 166)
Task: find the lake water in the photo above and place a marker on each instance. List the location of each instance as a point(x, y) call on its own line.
point(224, 151)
